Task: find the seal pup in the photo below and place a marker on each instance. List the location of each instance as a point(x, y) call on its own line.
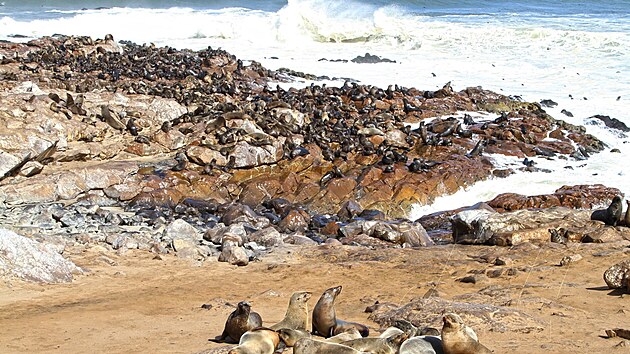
point(325, 321)
point(419, 345)
point(291, 336)
point(311, 346)
point(611, 215)
point(259, 340)
point(238, 322)
point(377, 345)
point(349, 334)
point(457, 340)
point(296, 316)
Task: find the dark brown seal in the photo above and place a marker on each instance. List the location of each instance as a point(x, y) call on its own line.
point(612, 214)
point(626, 219)
point(297, 312)
point(238, 322)
point(325, 321)
point(457, 340)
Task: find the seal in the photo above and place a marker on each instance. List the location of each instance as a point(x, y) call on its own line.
point(389, 345)
point(238, 322)
point(325, 321)
point(419, 345)
point(392, 331)
point(311, 346)
point(626, 219)
point(350, 334)
point(291, 336)
point(457, 340)
point(612, 214)
point(259, 340)
point(296, 316)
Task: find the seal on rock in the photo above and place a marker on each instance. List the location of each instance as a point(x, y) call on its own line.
point(259, 340)
point(457, 340)
point(310, 346)
point(612, 214)
point(238, 322)
point(296, 316)
point(325, 322)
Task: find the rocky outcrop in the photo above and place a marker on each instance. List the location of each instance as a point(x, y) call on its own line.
point(556, 224)
point(32, 261)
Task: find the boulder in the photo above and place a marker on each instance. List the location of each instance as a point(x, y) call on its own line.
point(181, 230)
point(482, 226)
point(29, 260)
point(618, 275)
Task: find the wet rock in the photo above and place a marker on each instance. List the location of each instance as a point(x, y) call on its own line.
point(611, 122)
point(371, 59)
point(29, 260)
point(618, 275)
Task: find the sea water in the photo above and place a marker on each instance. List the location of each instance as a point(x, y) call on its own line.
point(576, 53)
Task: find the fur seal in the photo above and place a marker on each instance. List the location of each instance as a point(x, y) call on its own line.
point(291, 336)
point(297, 312)
point(419, 345)
point(626, 219)
point(310, 346)
point(457, 340)
point(378, 345)
point(611, 215)
point(257, 341)
point(325, 321)
point(349, 334)
point(238, 322)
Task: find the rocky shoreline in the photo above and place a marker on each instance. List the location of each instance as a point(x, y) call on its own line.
point(137, 147)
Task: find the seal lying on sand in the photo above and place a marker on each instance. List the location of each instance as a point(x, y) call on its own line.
point(612, 214)
point(389, 345)
point(291, 336)
point(310, 346)
point(297, 312)
point(457, 340)
point(238, 322)
point(325, 322)
point(259, 340)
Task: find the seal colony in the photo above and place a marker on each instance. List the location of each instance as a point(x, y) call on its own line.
point(332, 336)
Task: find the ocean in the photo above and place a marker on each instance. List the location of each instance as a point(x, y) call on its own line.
point(576, 53)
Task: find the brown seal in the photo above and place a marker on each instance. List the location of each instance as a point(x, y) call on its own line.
point(238, 322)
point(297, 312)
point(612, 214)
point(626, 219)
point(259, 340)
point(349, 334)
point(457, 340)
point(291, 336)
point(311, 346)
point(389, 345)
point(325, 321)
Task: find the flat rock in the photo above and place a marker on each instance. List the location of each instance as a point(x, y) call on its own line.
point(32, 261)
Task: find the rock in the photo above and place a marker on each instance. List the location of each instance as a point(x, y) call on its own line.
point(474, 279)
point(565, 261)
point(371, 59)
point(299, 240)
point(234, 255)
point(245, 155)
point(611, 122)
point(31, 168)
point(29, 260)
point(267, 237)
point(618, 276)
point(204, 156)
point(577, 197)
point(349, 210)
point(480, 226)
point(429, 311)
point(181, 230)
point(296, 220)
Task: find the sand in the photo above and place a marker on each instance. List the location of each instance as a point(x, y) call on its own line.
point(133, 303)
